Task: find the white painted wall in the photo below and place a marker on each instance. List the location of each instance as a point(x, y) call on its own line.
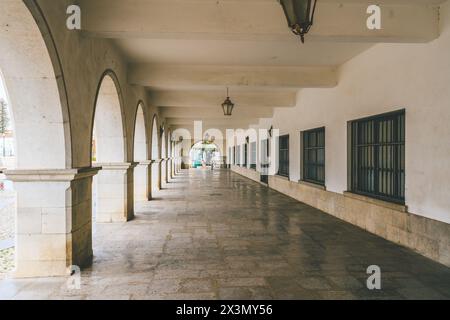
point(385, 78)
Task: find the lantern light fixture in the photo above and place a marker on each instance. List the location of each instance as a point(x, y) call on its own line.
point(228, 105)
point(300, 15)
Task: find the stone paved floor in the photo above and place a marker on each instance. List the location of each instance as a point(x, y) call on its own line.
point(220, 236)
point(7, 227)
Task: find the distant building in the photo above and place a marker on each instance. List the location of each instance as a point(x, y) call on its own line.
point(7, 154)
point(7, 145)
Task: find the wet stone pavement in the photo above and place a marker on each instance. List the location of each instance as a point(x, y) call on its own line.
point(217, 235)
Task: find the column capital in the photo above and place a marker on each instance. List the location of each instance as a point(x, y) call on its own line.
point(117, 165)
point(144, 162)
point(60, 175)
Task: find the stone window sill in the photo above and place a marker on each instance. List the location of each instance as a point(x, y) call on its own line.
point(381, 203)
point(312, 185)
point(281, 177)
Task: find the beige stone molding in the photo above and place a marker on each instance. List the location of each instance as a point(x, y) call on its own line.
point(51, 174)
point(157, 160)
point(117, 165)
point(312, 185)
point(281, 177)
point(144, 162)
point(385, 204)
point(117, 19)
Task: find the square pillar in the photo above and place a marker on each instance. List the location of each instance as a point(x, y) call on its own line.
point(54, 220)
point(166, 170)
point(142, 181)
point(115, 189)
point(171, 168)
point(156, 174)
point(162, 172)
point(178, 166)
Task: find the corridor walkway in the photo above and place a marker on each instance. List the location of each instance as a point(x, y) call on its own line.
point(216, 235)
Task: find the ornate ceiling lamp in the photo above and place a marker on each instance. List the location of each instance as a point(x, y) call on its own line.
point(228, 106)
point(300, 15)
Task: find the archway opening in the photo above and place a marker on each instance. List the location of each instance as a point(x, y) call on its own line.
point(204, 154)
point(169, 156)
point(108, 152)
point(156, 173)
point(141, 191)
point(37, 139)
point(163, 158)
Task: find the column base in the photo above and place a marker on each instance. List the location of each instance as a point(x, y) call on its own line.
point(141, 180)
point(115, 193)
point(54, 220)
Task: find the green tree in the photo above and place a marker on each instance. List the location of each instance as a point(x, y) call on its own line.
point(4, 122)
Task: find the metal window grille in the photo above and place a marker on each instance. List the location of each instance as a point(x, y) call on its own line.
point(378, 156)
point(283, 156)
point(245, 147)
point(314, 156)
point(253, 155)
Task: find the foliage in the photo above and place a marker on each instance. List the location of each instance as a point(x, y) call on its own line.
point(4, 117)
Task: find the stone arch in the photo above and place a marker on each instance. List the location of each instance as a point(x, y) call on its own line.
point(201, 142)
point(140, 155)
point(163, 168)
point(183, 139)
point(108, 121)
point(155, 138)
point(141, 141)
point(169, 169)
point(113, 187)
point(36, 88)
point(43, 180)
point(156, 155)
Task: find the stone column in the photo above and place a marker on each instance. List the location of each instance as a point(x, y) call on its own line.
point(171, 168)
point(156, 170)
point(163, 172)
point(142, 177)
point(149, 181)
point(54, 220)
point(179, 165)
point(174, 167)
point(115, 190)
point(167, 169)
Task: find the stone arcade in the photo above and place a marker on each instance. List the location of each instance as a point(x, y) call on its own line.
point(104, 121)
